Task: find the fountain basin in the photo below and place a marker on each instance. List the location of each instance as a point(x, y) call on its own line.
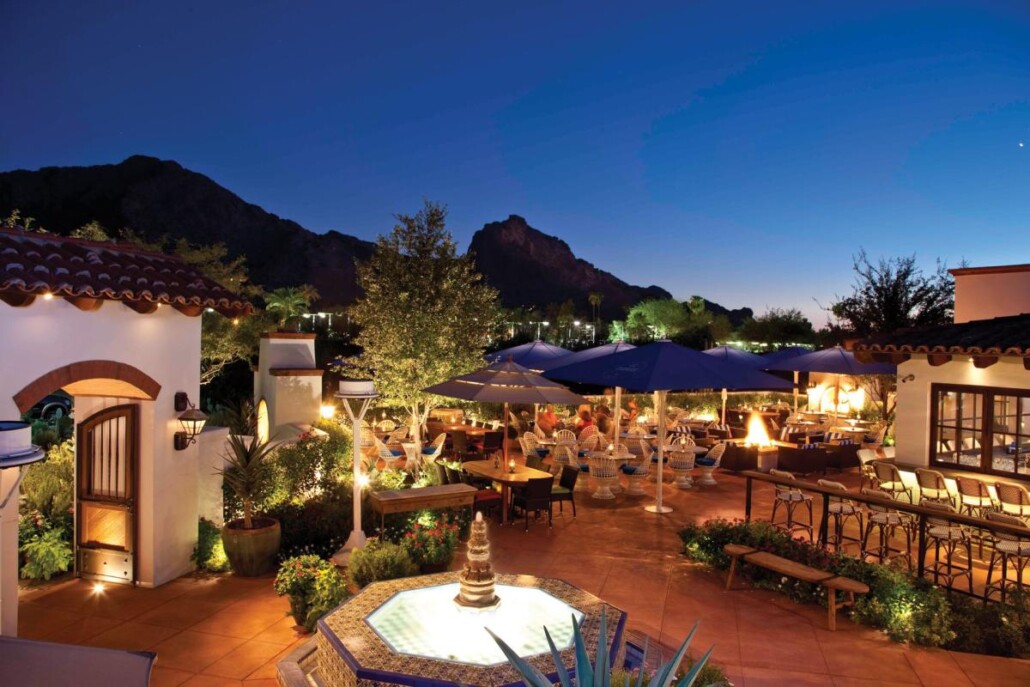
point(410, 632)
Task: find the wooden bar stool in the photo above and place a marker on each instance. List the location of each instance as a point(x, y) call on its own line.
point(887, 522)
point(951, 538)
point(975, 500)
point(1008, 548)
point(841, 509)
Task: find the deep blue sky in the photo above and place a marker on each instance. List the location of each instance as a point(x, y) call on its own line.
point(742, 151)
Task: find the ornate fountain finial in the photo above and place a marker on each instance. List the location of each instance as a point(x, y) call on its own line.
point(477, 577)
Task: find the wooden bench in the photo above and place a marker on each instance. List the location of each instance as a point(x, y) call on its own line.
point(832, 583)
point(407, 500)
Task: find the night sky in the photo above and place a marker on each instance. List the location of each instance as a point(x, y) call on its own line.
point(742, 151)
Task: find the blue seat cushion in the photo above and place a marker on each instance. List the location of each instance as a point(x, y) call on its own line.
point(632, 470)
point(542, 452)
point(705, 460)
point(583, 454)
point(654, 458)
point(584, 467)
point(428, 451)
point(396, 453)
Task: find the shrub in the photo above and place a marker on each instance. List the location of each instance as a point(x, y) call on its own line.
point(379, 560)
point(45, 555)
point(994, 628)
point(907, 608)
point(296, 579)
point(319, 526)
point(329, 592)
point(49, 486)
point(431, 540)
point(209, 553)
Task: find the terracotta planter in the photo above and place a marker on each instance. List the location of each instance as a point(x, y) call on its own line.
point(252, 552)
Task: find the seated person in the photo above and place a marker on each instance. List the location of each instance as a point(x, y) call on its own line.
point(634, 411)
point(603, 420)
point(547, 420)
point(583, 420)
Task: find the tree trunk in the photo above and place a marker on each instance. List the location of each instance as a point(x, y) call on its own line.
point(248, 514)
point(416, 425)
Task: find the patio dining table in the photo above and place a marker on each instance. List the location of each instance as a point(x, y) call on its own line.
point(507, 480)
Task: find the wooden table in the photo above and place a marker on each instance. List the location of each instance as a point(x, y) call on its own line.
point(469, 430)
point(407, 500)
point(507, 480)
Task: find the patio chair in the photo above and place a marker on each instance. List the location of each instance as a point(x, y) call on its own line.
point(975, 500)
point(648, 453)
point(682, 466)
point(709, 462)
point(887, 522)
point(535, 496)
point(841, 509)
point(932, 487)
point(564, 457)
point(389, 456)
point(432, 452)
point(636, 471)
point(540, 434)
point(866, 456)
point(790, 498)
point(514, 425)
point(889, 478)
point(588, 444)
point(566, 489)
point(534, 461)
point(397, 436)
point(587, 432)
point(889, 452)
point(564, 436)
point(493, 441)
point(1013, 499)
point(487, 501)
point(1008, 548)
point(874, 441)
point(460, 446)
point(950, 538)
point(604, 471)
point(386, 425)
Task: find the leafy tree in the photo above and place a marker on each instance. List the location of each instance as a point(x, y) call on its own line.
point(426, 314)
point(656, 319)
point(778, 326)
point(91, 231)
point(595, 298)
point(893, 294)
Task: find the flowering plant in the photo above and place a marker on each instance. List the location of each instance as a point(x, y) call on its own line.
point(296, 578)
point(431, 541)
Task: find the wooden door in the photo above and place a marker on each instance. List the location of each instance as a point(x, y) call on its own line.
point(106, 521)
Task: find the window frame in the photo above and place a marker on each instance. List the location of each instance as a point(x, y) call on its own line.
point(986, 430)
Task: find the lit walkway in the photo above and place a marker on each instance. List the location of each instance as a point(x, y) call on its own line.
point(228, 631)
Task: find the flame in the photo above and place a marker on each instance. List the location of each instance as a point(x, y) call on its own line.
point(756, 432)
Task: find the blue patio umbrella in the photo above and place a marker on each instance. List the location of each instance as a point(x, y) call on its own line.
point(591, 354)
point(737, 356)
point(783, 355)
point(835, 360)
point(662, 367)
point(533, 355)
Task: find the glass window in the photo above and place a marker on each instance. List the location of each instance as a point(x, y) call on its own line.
point(984, 430)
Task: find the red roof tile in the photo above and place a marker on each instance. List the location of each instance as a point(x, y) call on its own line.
point(35, 264)
point(999, 336)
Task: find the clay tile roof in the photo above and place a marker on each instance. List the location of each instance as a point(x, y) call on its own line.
point(999, 336)
point(34, 264)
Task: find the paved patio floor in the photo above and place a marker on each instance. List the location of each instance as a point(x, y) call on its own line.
point(231, 631)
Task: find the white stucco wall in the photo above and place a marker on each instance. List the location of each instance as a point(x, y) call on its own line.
point(166, 346)
point(912, 429)
point(292, 396)
point(212, 448)
point(993, 294)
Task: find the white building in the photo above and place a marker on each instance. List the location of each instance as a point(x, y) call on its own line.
point(964, 389)
point(118, 328)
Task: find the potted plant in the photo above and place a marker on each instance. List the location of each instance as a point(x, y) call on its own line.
point(251, 543)
point(431, 544)
point(290, 302)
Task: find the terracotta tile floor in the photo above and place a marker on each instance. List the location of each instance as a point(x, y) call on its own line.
point(231, 631)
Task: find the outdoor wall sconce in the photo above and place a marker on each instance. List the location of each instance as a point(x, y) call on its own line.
point(908, 378)
point(191, 420)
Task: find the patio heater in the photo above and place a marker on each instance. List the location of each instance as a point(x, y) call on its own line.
point(357, 396)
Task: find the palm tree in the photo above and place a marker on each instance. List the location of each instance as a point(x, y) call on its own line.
point(289, 302)
point(595, 298)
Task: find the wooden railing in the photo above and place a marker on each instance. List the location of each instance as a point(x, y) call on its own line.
point(920, 513)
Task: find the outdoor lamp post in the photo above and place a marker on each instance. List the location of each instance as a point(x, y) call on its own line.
point(356, 397)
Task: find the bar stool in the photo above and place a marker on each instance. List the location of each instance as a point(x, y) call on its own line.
point(887, 522)
point(1013, 499)
point(791, 498)
point(866, 456)
point(840, 509)
point(889, 477)
point(1007, 548)
point(975, 500)
point(943, 534)
point(932, 487)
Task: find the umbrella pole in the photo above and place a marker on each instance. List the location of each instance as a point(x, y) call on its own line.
point(658, 507)
point(797, 376)
point(724, 395)
point(505, 434)
point(618, 415)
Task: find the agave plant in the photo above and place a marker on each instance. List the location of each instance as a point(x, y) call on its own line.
point(248, 471)
point(599, 673)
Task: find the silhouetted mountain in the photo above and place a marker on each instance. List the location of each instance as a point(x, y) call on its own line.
point(159, 197)
point(735, 316)
point(532, 269)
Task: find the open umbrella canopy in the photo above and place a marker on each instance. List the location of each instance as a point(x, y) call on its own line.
point(731, 354)
point(665, 366)
point(779, 356)
point(834, 360)
point(533, 355)
point(505, 382)
point(587, 354)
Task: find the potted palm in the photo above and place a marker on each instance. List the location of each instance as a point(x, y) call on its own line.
point(289, 303)
point(252, 542)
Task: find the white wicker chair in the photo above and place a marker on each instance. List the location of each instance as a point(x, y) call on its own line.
point(389, 457)
point(682, 465)
point(587, 432)
point(540, 434)
point(397, 436)
point(386, 425)
point(604, 471)
point(715, 453)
